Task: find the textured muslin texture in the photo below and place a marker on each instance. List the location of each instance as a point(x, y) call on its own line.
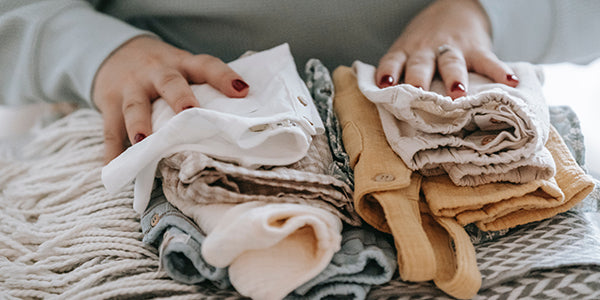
point(199, 180)
point(272, 125)
point(270, 249)
point(495, 133)
point(499, 206)
point(387, 196)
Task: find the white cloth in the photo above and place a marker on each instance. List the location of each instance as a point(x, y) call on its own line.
point(270, 248)
point(272, 125)
point(495, 133)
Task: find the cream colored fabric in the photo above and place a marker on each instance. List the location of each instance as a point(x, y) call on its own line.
point(499, 206)
point(495, 133)
point(386, 195)
point(270, 249)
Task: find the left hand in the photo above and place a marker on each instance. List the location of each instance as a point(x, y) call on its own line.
point(452, 36)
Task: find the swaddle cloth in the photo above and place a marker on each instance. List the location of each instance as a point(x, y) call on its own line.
point(272, 125)
point(366, 258)
point(271, 249)
point(196, 178)
point(179, 241)
point(495, 133)
point(499, 206)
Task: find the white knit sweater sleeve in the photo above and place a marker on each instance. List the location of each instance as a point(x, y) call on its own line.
point(51, 50)
point(545, 31)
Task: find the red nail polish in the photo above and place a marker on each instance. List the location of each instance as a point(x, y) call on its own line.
point(239, 85)
point(188, 107)
point(512, 77)
point(386, 80)
point(457, 86)
point(139, 137)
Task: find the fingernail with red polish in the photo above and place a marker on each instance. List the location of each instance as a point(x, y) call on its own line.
point(188, 107)
point(386, 80)
point(239, 85)
point(139, 137)
point(457, 86)
point(512, 78)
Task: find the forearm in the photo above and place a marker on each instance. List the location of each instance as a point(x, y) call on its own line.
point(545, 31)
point(51, 50)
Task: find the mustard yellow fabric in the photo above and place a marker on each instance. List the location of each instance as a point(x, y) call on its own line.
point(499, 206)
point(387, 196)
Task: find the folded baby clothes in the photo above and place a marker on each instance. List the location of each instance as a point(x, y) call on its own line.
point(196, 178)
point(272, 125)
point(387, 196)
point(366, 258)
point(495, 133)
point(179, 241)
point(270, 249)
point(499, 206)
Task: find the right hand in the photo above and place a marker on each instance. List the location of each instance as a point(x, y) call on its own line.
point(141, 71)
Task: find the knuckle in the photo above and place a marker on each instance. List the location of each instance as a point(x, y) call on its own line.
point(131, 105)
point(168, 77)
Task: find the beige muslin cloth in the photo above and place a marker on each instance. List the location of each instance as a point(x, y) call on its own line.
point(196, 178)
point(387, 197)
point(499, 206)
point(495, 133)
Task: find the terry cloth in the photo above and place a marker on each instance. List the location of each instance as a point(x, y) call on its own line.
point(179, 241)
point(386, 195)
point(197, 179)
point(495, 133)
point(366, 258)
point(273, 125)
point(271, 249)
point(503, 205)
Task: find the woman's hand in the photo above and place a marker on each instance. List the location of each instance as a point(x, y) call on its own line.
point(452, 35)
point(144, 69)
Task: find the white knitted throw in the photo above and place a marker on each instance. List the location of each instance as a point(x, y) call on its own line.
point(62, 236)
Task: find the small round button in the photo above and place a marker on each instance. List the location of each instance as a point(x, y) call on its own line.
point(384, 177)
point(154, 220)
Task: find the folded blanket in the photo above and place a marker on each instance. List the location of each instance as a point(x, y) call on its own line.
point(272, 125)
point(270, 249)
point(387, 196)
point(366, 258)
point(196, 178)
point(497, 206)
point(495, 133)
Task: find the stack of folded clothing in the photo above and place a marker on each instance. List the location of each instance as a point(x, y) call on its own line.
point(425, 166)
point(245, 197)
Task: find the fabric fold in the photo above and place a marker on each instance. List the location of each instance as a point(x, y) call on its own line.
point(366, 258)
point(179, 241)
point(387, 196)
point(498, 206)
point(264, 244)
point(495, 133)
point(196, 178)
point(272, 125)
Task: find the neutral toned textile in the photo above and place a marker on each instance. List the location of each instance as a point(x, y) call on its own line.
point(272, 125)
point(495, 133)
point(387, 196)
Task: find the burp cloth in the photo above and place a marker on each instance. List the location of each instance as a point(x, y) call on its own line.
point(273, 125)
point(497, 206)
point(495, 133)
point(198, 179)
point(179, 241)
point(386, 195)
point(366, 258)
point(271, 249)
